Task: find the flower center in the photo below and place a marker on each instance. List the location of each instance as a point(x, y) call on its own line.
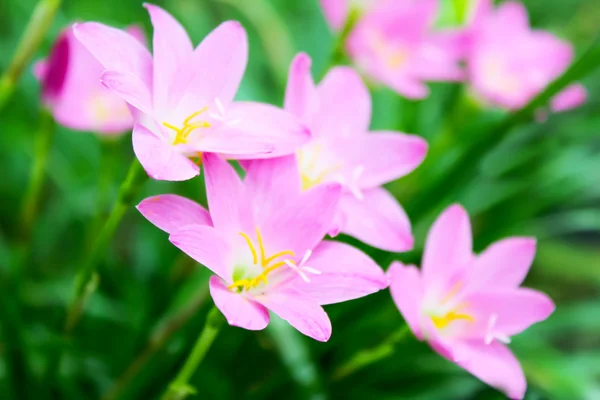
point(450, 311)
point(259, 258)
point(189, 125)
point(314, 168)
point(393, 56)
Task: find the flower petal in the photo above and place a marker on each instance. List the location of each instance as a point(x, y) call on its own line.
point(171, 47)
point(449, 246)
point(237, 309)
point(344, 104)
point(384, 156)
point(116, 50)
point(495, 365)
point(267, 125)
point(504, 263)
point(346, 273)
point(214, 70)
point(207, 246)
point(170, 212)
point(226, 195)
point(377, 219)
point(336, 12)
point(572, 97)
point(130, 88)
point(301, 94)
point(513, 310)
point(300, 310)
point(159, 159)
point(406, 287)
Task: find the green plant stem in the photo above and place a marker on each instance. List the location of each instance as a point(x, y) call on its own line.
point(180, 388)
point(435, 194)
point(159, 337)
point(371, 356)
point(38, 25)
point(29, 208)
point(87, 279)
point(338, 55)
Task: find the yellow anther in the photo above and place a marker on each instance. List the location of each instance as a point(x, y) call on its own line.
point(442, 322)
point(181, 134)
point(188, 119)
point(267, 261)
point(252, 249)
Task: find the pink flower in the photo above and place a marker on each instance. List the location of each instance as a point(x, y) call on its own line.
point(394, 43)
point(337, 11)
point(509, 63)
point(185, 96)
point(263, 240)
point(342, 150)
point(468, 306)
point(71, 88)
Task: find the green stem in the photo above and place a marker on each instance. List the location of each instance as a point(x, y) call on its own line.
point(40, 21)
point(436, 192)
point(180, 388)
point(43, 141)
point(87, 279)
point(338, 54)
point(371, 356)
point(158, 338)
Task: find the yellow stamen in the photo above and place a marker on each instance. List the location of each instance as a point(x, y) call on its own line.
point(252, 249)
point(267, 261)
point(181, 134)
point(442, 322)
point(262, 247)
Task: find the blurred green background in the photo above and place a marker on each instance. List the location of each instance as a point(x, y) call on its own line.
point(542, 180)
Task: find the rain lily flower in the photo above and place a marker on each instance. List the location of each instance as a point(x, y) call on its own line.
point(394, 43)
point(337, 11)
point(468, 306)
point(263, 240)
point(342, 150)
point(185, 96)
point(509, 63)
point(71, 88)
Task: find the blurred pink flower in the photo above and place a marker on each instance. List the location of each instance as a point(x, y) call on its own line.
point(342, 150)
point(394, 43)
point(185, 96)
point(71, 88)
point(263, 240)
point(509, 63)
point(468, 306)
point(337, 11)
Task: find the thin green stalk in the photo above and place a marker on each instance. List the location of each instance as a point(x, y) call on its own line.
point(158, 338)
point(338, 55)
point(29, 208)
point(180, 388)
point(87, 279)
point(371, 356)
point(38, 25)
point(435, 194)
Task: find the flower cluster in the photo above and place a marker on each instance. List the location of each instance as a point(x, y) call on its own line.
point(313, 169)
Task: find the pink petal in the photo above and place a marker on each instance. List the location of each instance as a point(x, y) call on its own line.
point(207, 246)
point(235, 144)
point(227, 200)
point(346, 274)
point(336, 12)
point(116, 50)
point(377, 219)
point(409, 87)
point(344, 104)
point(170, 212)
point(406, 286)
point(449, 246)
point(300, 310)
point(572, 97)
point(514, 310)
point(160, 160)
point(514, 15)
point(171, 47)
point(503, 264)
point(129, 88)
point(40, 67)
point(299, 222)
point(495, 365)
point(265, 125)
point(237, 309)
point(215, 69)
point(385, 156)
point(138, 33)
point(301, 94)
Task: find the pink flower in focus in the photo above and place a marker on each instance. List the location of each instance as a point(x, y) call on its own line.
point(468, 306)
point(394, 43)
point(509, 63)
point(71, 88)
point(263, 240)
point(185, 96)
point(342, 150)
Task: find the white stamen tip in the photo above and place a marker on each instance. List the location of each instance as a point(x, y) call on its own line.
point(220, 106)
point(306, 257)
point(313, 271)
point(216, 116)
